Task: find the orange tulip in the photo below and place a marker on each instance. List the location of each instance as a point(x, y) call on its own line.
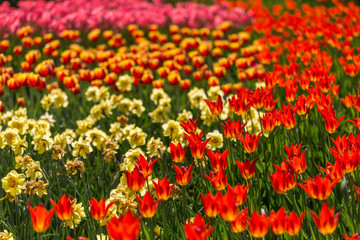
point(197, 230)
point(41, 218)
point(218, 160)
point(210, 203)
point(177, 152)
point(135, 179)
point(228, 206)
point(240, 223)
point(326, 221)
point(215, 107)
point(258, 225)
point(163, 188)
point(218, 180)
point(197, 146)
point(98, 210)
point(231, 129)
point(124, 227)
point(293, 223)
point(247, 168)
point(148, 206)
point(318, 188)
point(277, 221)
point(63, 208)
point(250, 142)
point(144, 166)
point(183, 174)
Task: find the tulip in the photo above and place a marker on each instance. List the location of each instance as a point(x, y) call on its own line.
point(258, 225)
point(41, 218)
point(63, 208)
point(124, 227)
point(197, 230)
point(240, 192)
point(293, 223)
point(163, 188)
point(277, 221)
point(183, 174)
point(238, 105)
point(247, 168)
point(177, 152)
point(318, 188)
point(218, 180)
point(250, 142)
point(148, 206)
point(197, 147)
point(356, 122)
point(326, 221)
point(210, 203)
point(355, 236)
point(268, 122)
point(144, 166)
point(298, 163)
point(240, 222)
point(282, 181)
point(333, 172)
point(231, 129)
point(135, 179)
point(190, 126)
point(228, 206)
point(98, 210)
point(218, 160)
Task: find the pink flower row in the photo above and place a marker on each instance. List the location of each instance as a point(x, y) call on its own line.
point(117, 14)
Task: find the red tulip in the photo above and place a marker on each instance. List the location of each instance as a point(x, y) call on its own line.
point(124, 227)
point(183, 174)
point(247, 168)
point(258, 225)
point(197, 146)
point(357, 191)
point(163, 188)
point(277, 221)
point(240, 222)
point(215, 107)
point(218, 180)
point(218, 160)
point(293, 223)
point(197, 230)
point(190, 126)
point(177, 153)
point(148, 206)
point(98, 210)
point(210, 203)
point(240, 192)
point(228, 206)
point(318, 188)
point(144, 166)
point(231, 129)
point(250, 142)
point(41, 218)
point(63, 208)
point(135, 179)
point(356, 122)
point(326, 221)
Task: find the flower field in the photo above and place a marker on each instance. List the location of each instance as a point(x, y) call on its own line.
point(124, 120)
